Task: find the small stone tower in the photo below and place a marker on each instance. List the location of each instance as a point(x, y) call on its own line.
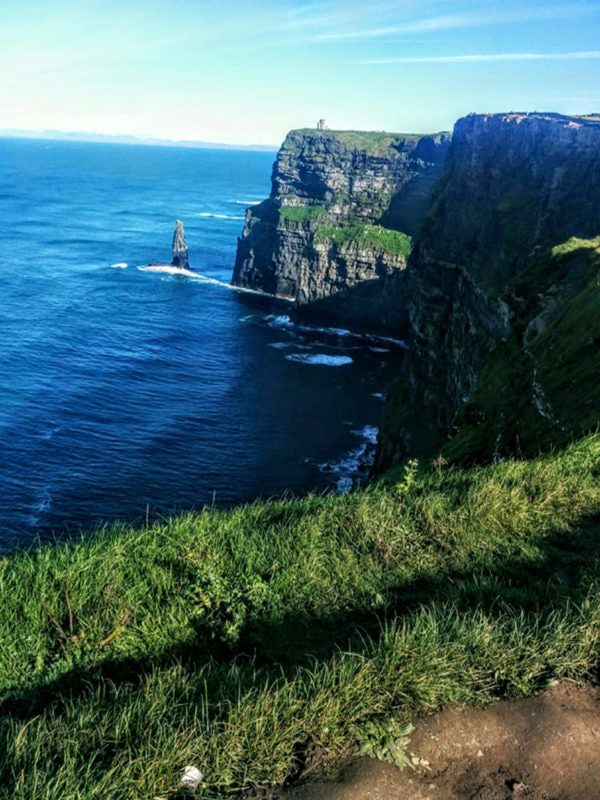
point(321, 125)
point(180, 248)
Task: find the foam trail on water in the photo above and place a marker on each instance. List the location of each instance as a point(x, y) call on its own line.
point(207, 214)
point(283, 321)
point(322, 359)
point(169, 269)
point(120, 265)
point(288, 345)
point(247, 202)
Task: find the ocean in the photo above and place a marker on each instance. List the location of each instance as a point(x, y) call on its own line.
point(131, 395)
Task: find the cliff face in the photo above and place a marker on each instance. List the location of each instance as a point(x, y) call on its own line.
point(500, 298)
point(492, 277)
point(342, 209)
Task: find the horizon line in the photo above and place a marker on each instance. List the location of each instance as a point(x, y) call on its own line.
point(56, 134)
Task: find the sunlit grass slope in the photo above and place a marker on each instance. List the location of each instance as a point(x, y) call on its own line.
point(237, 641)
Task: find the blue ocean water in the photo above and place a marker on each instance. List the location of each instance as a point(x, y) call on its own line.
point(126, 394)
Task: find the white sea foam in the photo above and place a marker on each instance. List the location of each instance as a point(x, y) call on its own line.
point(368, 433)
point(120, 265)
point(283, 321)
point(247, 202)
point(378, 395)
point(341, 332)
point(288, 345)
point(355, 463)
point(320, 358)
point(169, 269)
point(220, 216)
point(280, 321)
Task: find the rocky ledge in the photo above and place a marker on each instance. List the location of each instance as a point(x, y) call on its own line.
point(343, 208)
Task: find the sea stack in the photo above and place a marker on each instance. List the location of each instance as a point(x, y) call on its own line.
point(180, 248)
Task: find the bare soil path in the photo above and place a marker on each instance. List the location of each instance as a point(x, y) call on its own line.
point(544, 748)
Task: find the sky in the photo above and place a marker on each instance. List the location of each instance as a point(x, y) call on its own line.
point(247, 71)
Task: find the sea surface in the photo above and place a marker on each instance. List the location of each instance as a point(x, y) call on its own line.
point(131, 394)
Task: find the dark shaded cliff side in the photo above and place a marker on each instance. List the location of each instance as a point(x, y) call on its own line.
point(335, 234)
point(503, 304)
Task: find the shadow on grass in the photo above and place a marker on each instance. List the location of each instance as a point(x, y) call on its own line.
point(560, 576)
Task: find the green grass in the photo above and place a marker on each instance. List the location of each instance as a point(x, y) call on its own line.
point(375, 143)
point(312, 213)
point(367, 235)
point(235, 640)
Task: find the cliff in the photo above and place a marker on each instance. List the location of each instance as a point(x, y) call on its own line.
point(482, 251)
point(502, 301)
point(341, 213)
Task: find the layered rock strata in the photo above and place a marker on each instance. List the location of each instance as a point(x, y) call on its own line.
point(180, 248)
point(341, 213)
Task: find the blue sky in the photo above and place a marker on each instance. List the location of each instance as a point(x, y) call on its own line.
point(246, 72)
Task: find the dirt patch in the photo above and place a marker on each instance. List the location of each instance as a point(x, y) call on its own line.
point(544, 748)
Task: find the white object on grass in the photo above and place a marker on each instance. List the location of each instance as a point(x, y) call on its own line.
point(192, 778)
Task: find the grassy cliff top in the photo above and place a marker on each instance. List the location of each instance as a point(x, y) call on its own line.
point(372, 142)
point(548, 116)
point(223, 639)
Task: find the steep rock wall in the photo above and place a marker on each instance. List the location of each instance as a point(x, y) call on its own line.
point(341, 212)
point(514, 186)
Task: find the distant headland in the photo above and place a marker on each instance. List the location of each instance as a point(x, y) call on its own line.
point(105, 138)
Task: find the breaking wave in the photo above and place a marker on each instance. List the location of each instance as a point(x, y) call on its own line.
point(120, 265)
point(168, 269)
point(279, 321)
point(354, 465)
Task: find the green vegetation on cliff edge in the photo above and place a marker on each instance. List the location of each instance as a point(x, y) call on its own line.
point(374, 143)
point(236, 640)
point(367, 235)
point(310, 213)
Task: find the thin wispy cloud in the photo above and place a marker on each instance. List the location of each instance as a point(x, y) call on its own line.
point(249, 73)
point(458, 21)
point(482, 57)
point(334, 14)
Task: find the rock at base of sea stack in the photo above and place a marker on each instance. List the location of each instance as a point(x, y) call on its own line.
point(180, 248)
